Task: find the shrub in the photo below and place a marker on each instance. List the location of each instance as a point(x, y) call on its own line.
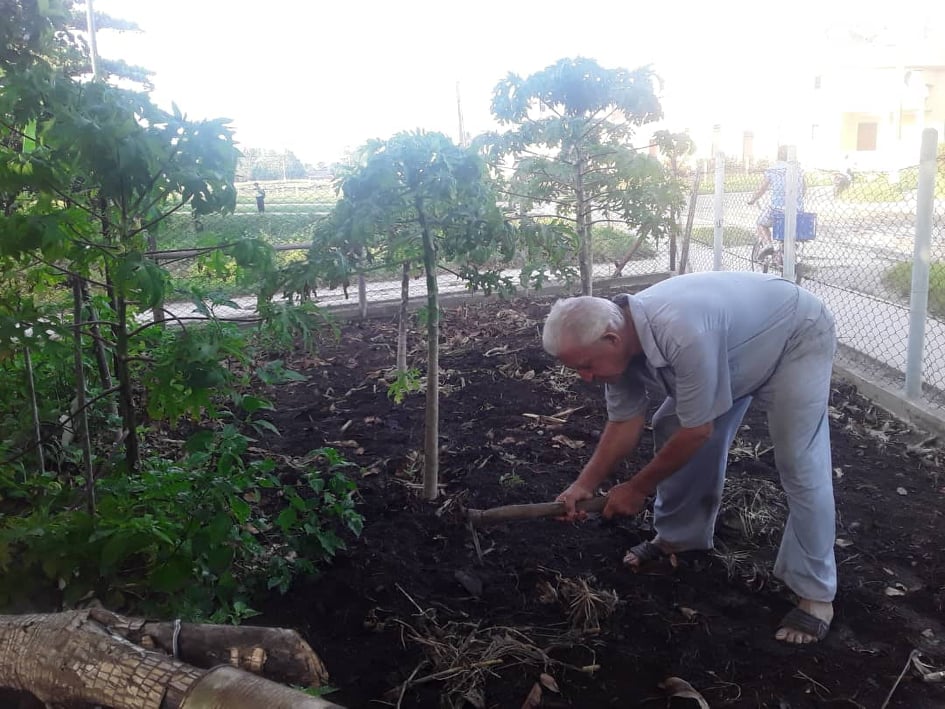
point(199, 538)
point(899, 279)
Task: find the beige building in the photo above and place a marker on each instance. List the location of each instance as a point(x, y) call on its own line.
point(872, 102)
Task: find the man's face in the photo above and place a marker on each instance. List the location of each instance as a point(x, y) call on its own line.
point(601, 362)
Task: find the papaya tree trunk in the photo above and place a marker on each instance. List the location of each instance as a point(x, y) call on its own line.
point(674, 218)
point(72, 659)
point(402, 319)
point(690, 216)
point(641, 237)
point(123, 374)
point(431, 448)
point(34, 408)
point(158, 316)
point(585, 251)
point(81, 423)
point(362, 296)
point(98, 346)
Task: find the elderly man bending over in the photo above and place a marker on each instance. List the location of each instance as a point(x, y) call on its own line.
point(709, 344)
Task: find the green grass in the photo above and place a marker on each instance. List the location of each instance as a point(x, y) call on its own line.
point(877, 187)
point(290, 192)
point(732, 235)
point(611, 244)
point(180, 232)
point(287, 208)
point(734, 182)
point(873, 188)
point(899, 279)
point(751, 181)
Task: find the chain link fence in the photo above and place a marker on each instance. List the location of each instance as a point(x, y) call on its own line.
point(856, 242)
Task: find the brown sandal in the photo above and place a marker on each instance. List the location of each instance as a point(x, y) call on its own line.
point(804, 622)
point(646, 553)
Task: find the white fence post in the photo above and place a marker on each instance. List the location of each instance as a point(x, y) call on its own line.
point(921, 258)
point(719, 210)
point(790, 214)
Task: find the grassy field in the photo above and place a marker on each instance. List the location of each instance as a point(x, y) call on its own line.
point(287, 196)
point(733, 235)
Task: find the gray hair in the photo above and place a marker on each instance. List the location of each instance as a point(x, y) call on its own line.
point(579, 321)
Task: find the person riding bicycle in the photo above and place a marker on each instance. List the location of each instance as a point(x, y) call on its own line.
point(843, 178)
point(776, 180)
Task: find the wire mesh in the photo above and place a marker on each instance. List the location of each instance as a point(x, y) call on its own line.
point(859, 261)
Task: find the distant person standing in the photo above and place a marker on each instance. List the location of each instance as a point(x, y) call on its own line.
point(260, 198)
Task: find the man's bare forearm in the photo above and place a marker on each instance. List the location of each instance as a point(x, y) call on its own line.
point(677, 451)
point(619, 440)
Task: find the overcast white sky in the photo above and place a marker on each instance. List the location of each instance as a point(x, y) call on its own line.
point(319, 77)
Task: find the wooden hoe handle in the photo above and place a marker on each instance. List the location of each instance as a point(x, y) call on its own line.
point(538, 510)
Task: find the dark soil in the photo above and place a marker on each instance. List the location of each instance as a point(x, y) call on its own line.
point(398, 605)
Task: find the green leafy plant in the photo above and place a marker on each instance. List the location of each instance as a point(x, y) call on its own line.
point(511, 480)
point(200, 538)
point(407, 381)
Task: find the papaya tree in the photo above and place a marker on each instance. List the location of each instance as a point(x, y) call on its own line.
point(105, 166)
point(658, 197)
point(568, 132)
point(676, 147)
point(419, 197)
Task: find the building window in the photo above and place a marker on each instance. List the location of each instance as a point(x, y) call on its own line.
point(817, 80)
point(866, 136)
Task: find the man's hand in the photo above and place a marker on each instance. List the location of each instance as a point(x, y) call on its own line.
point(624, 499)
point(570, 497)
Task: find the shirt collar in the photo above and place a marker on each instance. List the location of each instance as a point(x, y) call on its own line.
point(641, 324)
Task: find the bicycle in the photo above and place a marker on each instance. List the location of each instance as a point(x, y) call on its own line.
point(767, 253)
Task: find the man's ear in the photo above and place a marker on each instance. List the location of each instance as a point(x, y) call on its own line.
point(611, 338)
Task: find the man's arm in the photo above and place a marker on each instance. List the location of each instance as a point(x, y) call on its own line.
point(629, 497)
point(765, 184)
point(675, 453)
point(618, 441)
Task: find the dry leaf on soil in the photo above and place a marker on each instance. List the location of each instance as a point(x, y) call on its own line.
point(677, 687)
point(565, 441)
point(533, 700)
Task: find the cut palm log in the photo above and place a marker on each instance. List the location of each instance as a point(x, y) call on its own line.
point(277, 653)
point(74, 659)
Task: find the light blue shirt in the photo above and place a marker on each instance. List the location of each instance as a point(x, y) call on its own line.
point(708, 339)
point(777, 176)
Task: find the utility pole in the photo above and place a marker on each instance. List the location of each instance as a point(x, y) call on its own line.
point(459, 112)
point(93, 45)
